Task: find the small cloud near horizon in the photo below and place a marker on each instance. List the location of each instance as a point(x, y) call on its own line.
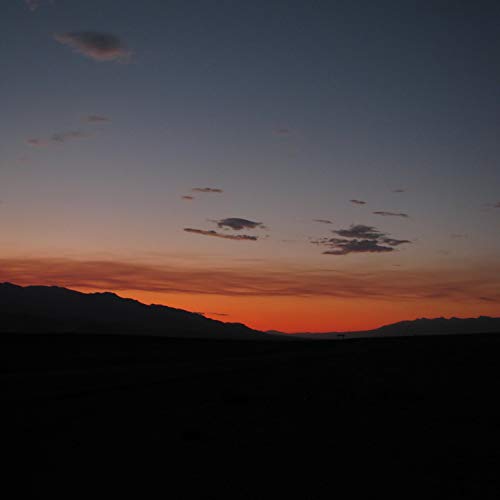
point(323, 221)
point(187, 197)
point(96, 119)
point(206, 190)
point(95, 45)
point(358, 202)
point(215, 234)
point(391, 214)
point(58, 138)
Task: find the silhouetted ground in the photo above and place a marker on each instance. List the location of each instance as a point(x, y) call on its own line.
point(106, 416)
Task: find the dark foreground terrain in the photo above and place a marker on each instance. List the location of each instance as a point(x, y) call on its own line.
point(96, 415)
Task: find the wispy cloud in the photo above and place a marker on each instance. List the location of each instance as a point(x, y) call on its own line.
point(57, 138)
point(187, 197)
point(358, 202)
point(215, 234)
point(207, 190)
point(479, 283)
point(399, 190)
point(237, 224)
point(32, 4)
point(95, 45)
point(96, 119)
point(323, 221)
point(391, 214)
point(282, 131)
point(359, 239)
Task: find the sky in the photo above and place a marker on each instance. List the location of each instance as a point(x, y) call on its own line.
point(291, 165)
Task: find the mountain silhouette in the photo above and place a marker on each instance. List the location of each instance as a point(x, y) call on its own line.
point(421, 326)
point(51, 309)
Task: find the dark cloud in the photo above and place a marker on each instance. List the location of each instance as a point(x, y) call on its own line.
point(96, 45)
point(237, 224)
point(323, 221)
point(360, 231)
point(343, 247)
point(96, 119)
point(207, 190)
point(393, 242)
point(188, 198)
point(212, 314)
point(359, 239)
point(215, 234)
point(57, 138)
point(358, 202)
point(391, 214)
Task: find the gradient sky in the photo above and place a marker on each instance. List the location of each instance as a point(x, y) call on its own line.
point(303, 119)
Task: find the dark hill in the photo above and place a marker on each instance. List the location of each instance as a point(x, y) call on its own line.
point(422, 326)
point(42, 309)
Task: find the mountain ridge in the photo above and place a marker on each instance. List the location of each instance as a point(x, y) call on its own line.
point(54, 309)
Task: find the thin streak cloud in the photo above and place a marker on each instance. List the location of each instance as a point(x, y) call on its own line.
point(391, 214)
point(215, 234)
point(207, 190)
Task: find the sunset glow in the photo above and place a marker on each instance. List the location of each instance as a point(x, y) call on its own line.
point(244, 166)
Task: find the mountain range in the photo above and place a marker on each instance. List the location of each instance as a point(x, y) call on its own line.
point(52, 309)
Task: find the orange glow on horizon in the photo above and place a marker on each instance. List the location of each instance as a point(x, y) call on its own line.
point(299, 314)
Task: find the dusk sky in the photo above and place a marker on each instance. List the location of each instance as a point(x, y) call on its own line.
point(292, 165)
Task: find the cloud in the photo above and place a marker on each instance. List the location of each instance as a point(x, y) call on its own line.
point(37, 143)
point(496, 205)
point(282, 131)
point(96, 119)
point(391, 214)
point(399, 190)
point(359, 239)
point(358, 202)
point(188, 198)
point(68, 136)
point(344, 247)
point(95, 45)
point(474, 283)
point(237, 224)
point(323, 221)
point(238, 237)
point(211, 313)
point(207, 190)
point(360, 231)
point(32, 4)
point(57, 138)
